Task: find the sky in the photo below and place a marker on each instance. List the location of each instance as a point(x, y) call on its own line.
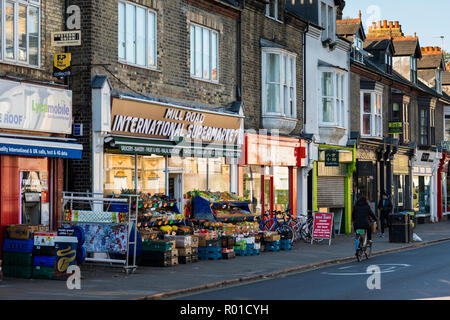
point(429, 19)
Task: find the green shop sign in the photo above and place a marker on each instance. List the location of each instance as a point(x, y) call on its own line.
point(331, 158)
point(395, 127)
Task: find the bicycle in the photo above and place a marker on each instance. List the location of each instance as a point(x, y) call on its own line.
point(275, 224)
point(362, 245)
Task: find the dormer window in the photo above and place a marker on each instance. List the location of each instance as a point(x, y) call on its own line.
point(328, 20)
point(388, 62)
point(357, 48)
point(413, 70)
point(439, 80)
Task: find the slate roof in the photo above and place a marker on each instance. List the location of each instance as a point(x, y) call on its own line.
point(406, 46)
point(430, 61)
point(376, 43)
point(446, 78)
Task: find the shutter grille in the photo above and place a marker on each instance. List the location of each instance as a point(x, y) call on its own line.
point(331, 192)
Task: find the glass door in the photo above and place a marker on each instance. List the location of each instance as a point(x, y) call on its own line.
point(268, 195)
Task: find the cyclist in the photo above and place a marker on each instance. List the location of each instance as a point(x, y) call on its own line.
point(361, 215)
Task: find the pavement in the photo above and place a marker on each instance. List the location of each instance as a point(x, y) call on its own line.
point(161, 283)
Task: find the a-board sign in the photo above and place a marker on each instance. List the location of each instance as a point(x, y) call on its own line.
point(323, 226)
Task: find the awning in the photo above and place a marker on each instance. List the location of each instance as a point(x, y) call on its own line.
point(40, 148)
point(171, 148)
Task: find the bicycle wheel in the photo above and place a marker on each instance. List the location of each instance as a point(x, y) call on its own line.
point(359, 254)
point(305, 234)
point(286, 230)
point(368, 251)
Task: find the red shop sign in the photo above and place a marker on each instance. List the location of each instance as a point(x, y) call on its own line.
point(323, 226)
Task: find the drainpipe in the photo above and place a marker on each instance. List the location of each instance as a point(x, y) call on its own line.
point(304, 73)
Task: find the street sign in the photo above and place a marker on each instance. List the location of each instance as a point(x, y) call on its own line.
point(62, 65)
point(395, 127)
point(323, 226)
point(331, 158)
point(66, 38)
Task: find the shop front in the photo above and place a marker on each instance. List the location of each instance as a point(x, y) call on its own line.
point(34, 122)
point(424, 185)
point(332, 183)
point(401, 183)
point(268, 172)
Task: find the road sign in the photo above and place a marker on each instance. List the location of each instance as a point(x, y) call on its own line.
point(61, 65)
point(66, 38)
point(323, 226)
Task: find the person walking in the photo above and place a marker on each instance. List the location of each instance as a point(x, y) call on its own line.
point(385, 208)
point(361, 215)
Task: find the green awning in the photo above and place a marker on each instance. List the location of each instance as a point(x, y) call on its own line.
point(171, 148)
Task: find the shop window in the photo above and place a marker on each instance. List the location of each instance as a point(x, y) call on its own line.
point(136, 35)
point(219, 175)
point(371, 114)
point(204, 53)
point(20, 32)
point(252, 187)
point(281, 188)
point(332, 97)
point(120, 182)
point(421, 194)
point(447, 127)
point(279, 83)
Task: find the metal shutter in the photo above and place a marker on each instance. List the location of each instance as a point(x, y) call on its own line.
point(331, 192)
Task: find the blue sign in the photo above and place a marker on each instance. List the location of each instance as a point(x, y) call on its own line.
point(38, 151)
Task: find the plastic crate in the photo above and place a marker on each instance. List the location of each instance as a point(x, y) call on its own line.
point(209, 249)
point(12, 245)
point(17, 259)
point(46, 261)
point(43, 272)
point(17, 271)
point(44, 251)
point(159, 246)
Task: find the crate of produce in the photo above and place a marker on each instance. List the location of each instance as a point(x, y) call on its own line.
point(160, 246)
point(285, 245)
point(45, 261)
point(184, 252)
point(23, 231)
point(17, 259)
point(228, 255)
point(14, 245)
point(44, 250)
point(250, 246)
point(184, 259)
point(241, 253)
point(194, 240)
point(43, 272)
point(228, 242)
point(272, 246)
point(183, 241)
point(17, 271)
point(271, 238)
point(214, 243)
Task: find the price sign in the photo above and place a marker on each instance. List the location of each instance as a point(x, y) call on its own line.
point(323, 226)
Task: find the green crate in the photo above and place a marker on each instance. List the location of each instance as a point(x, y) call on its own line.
point(159, 246)
point(41, 272)
point(17, 271)
point(17, 259)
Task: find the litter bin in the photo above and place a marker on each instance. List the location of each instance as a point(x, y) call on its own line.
point(400, 227)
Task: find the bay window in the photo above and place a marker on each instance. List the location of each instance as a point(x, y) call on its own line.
point(136, 35)
point(332, 100)
point(279, 83)
point(204, 53)
point(371, 114)
point(20, 31)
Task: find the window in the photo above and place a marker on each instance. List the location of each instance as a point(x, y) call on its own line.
point(273, 9)
point(413, 70)
point(405, 122)
point(20, 32)
point(279, 83)
point(424, 125)
point(388, 62)
point(447, 128)
point(204, 53)
point(332, 97)
point(136, 35)
point(328, 20)
point(432, 126)
point(371, 114)
point(356, 50)
point(438, 81)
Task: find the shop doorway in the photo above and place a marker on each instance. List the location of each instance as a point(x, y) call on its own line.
point(34, 202)
point(267, 193)
point(175, 188)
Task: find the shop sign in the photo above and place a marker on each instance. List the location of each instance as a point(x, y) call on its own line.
point(323, 226)
point(395, 127)
point(149, 150)
point(66, 38)
point(331, 158)
point(35, 108)
point(134, 118)
point(61, 65)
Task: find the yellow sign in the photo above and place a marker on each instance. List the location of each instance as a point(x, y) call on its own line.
point(61, 61)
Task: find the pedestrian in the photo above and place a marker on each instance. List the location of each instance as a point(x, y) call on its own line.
point(361, 216)
point(385, 209)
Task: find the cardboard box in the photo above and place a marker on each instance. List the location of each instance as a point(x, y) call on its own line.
point(183, 241)
point(272, 237)
point(194, 240)
point(23, 231)
point(44, 238)
point(184, 252)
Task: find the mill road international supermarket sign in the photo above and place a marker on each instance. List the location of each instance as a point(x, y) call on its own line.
point(151, 120)
point(35, 108)
point(323, 226)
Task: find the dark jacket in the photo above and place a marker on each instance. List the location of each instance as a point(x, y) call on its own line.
point(387, 207)
point(361, 214)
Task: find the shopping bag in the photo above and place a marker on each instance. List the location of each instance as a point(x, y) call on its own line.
point(374, 226)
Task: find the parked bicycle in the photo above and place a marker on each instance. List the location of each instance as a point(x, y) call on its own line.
point(362, 245)
point(279, 223)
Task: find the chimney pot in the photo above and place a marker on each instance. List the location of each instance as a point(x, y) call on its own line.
point(379, 24)
point(385, 24)
point(396, 24)
point(391, 24)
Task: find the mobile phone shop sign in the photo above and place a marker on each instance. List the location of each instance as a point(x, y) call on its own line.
point(35, 108)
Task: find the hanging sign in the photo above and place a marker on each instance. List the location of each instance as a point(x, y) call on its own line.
point(323, 226)
point(395, 127)
point(331, 158)
point(62, 65)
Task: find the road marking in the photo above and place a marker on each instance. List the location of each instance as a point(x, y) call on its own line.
point(385, 268)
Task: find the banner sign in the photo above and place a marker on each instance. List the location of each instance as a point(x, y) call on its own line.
point(323, 226)
point(35, 108)
point(69, 152)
